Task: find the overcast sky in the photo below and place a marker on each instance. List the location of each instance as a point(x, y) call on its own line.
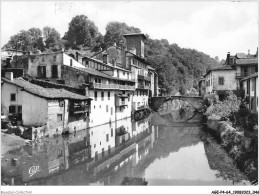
point(211, 27)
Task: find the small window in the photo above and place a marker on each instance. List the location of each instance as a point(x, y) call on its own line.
point(71, 62)
point(108, 95)
point(118, 73)
point(107, 108)
point(102, 95)
point(42, 59)
point(61, 103)
point(13, 96)
point(96, 95)
point(19, 109)
point(54, 58)
point(111, 110)
point(112, 132)
point(94, 145)
point(127, 75)
point(107, 137)
point(12, 109)
point(59, 117)
point(124, 73)
point(221, 80)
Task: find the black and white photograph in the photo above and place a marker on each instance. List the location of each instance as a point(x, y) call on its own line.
point(129, 97)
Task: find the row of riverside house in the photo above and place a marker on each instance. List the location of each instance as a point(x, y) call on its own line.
point(105, 87)
point(239, 73)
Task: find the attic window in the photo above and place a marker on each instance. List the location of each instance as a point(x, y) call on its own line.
point(71, 62)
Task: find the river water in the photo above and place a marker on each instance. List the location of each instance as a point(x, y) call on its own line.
point(154, 151)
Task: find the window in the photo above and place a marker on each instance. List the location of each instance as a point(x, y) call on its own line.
point(19, 109)
point(71, 62)
point(124, 73)
point(107, 108)
point(12, 109)
point(221, 80)
point(43, 59)
point(94, 145)
point(54, 58)
point(96, 95)
point(102, 95)
point(13, 96)
point(107, 137)
point(41, 71)
point(61, 103)
point(111, 110)
point(108, 95)
point(117, 73)
point(99, 106)
point(253, 85)
point(54, 71)
point(59, 117)
point(127, 75)
point(112, 132)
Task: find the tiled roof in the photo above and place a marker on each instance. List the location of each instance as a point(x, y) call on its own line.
point(93, 72)
point(247, 61)
point(47, 93)
point(250, 76)
point(226, 67)
point(241, 55)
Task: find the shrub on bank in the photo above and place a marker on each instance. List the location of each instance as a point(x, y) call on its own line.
point(237, 130)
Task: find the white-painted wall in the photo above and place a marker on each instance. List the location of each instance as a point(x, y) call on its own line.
point(34, 108)
point(75, 63)
point(99, 115)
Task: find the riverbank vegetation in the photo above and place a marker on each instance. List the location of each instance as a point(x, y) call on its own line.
point(237, 128)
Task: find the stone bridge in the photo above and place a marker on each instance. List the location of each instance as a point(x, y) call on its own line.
point(194, 101)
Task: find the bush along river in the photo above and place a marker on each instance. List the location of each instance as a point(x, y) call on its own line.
point(169, 147)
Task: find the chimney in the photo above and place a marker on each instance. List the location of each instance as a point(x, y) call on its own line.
point(105, 56)
point(249, 52)
point(228, 58)
point(9, 75)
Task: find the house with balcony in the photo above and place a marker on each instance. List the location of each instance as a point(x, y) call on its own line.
point(57, 110)
point(251, 90)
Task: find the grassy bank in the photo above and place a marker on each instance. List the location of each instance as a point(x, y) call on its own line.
point(237, 129)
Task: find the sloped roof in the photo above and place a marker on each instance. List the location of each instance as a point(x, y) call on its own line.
point(241, 55)
point(247, 61)
point(226, 67)
point(135, 34)
point(47, 93)
point(92, 72)
point(250, 76)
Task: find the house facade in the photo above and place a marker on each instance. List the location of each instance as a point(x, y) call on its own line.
point(219, 80)
point(54, 111)
point(230, 76)
point(119, 80)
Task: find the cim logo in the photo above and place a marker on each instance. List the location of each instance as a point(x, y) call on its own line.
point(33, 170)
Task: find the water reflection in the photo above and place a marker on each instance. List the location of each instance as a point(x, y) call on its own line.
point(124, 153)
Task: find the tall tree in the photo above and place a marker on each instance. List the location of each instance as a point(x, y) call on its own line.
point(81, 32)
point(116, 30)
point(52, 39)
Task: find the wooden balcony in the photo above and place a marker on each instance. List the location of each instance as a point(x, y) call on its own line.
point(126, 87)
point(242, 75)
point(103, 86)
point(144, 87)
point(142, 77)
